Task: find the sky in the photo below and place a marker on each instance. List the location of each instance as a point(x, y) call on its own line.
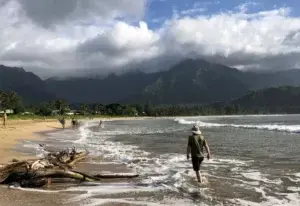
point(88, 37)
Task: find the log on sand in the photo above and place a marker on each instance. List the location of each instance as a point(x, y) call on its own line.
point(39, 172)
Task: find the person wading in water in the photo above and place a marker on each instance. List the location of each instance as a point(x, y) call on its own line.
point(195, 146)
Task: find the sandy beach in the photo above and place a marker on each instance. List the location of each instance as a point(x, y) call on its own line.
point(10, 136)
point(17, 130)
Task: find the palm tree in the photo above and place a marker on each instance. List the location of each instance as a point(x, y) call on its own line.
point(61, 106)
point(9, 100)
point(83, 108)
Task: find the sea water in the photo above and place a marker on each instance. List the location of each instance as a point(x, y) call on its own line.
point(255, 160)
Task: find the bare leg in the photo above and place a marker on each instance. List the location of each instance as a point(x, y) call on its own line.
point(199, 176)
point(201, 179)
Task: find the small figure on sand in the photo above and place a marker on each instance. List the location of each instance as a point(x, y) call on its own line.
point(101, 124)
point(195, 146)
point(63, 122)
point(4, 119)
point(74, 122)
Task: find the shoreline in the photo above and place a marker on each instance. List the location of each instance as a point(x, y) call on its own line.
point(18, 130)
point(11, 137)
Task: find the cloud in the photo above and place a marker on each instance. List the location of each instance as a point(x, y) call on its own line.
point(245, 7)
point(49, 12)
point(121, 45)
point(236, 36)
point(77, 40)
point(196, 9)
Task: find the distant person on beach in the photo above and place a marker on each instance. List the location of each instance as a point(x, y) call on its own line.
point(101, 125)
point(75, 122)
point(63, 122)
point(4, 118)
point(196, 142)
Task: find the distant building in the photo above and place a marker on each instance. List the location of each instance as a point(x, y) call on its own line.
point(27, 113)
point(54, 112)
point(8, 111)
point(72, 112)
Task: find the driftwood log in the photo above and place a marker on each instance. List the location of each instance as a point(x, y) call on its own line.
point(39, 172)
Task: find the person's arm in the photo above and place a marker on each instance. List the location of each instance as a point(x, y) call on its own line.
point(207, 149)
point(188, 149)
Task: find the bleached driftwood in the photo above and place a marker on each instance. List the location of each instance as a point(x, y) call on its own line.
point(39, 172)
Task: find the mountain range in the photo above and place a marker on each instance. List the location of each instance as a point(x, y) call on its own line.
point(192, 81)
point(29, 86)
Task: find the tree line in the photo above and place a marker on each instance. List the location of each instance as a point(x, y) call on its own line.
point(11, 100)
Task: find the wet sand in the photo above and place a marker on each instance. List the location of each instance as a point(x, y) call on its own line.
point(16, 197)
point(11, 137)
point(17, 130)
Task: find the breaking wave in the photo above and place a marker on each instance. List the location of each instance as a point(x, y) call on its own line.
point(269, 127)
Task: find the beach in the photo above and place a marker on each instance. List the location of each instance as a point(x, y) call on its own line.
point(10, 137)
point(239, 172)
point(247, 166)
point(17, 130)
point(11, 140)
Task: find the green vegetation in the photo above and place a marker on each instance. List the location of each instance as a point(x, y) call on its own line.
point(191, 81)
point(284, 99)
point(10, 100)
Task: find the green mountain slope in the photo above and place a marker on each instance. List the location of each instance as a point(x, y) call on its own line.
point(107, 90)
point(194, 81)
point(189, 82)
point(29, 86)
point(284, 96)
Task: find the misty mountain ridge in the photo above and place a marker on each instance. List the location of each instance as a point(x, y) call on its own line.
point(273, 97)
point(30, 87)
point(192, 81)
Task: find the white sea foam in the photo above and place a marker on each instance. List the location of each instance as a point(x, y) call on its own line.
point(294, 180)
point(258, 176)
point(167, 171)
point(115, 188)
point(294, 189)
point(132, 201)
point(84, 133)
point(270, 127)
point(297, 174)
point(163, 172)
point(145, 130)
point(34, 190)
point(110, 188)
point(290, 199)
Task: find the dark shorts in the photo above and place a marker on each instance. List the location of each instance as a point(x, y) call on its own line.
point(197, 162)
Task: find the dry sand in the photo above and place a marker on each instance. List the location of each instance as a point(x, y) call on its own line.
point(15, 131)
point(10, 136)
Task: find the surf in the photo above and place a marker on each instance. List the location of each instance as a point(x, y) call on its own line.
point(269, 127)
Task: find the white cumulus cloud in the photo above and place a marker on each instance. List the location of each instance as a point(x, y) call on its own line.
point(71, 37)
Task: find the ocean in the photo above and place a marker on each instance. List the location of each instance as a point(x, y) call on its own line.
point(255, 160)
